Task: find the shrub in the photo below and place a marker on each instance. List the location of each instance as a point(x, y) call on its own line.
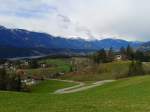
point(136, 68)
point(3, 79)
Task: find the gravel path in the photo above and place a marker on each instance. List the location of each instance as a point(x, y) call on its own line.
point(80, 87)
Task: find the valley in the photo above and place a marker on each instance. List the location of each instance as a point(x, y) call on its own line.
point(74, 56)
point(107, 88)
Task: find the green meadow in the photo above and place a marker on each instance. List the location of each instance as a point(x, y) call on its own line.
point(125, 95)
point(54, 66)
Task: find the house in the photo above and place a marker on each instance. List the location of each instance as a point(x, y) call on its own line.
point(28, 81)
point(118, 57)
point(43, 65)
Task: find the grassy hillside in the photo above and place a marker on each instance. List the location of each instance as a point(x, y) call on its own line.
point(57, 62)
point(54, 66)
point(126, 95)
point(113, 70)
point(100, 72)
point(49, 86)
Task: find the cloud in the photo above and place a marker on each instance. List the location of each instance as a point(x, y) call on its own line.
point(89, 19)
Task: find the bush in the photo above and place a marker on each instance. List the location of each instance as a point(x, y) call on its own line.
point(10, 82)
point(136, 68)
point(3, 79)
point(34, 64)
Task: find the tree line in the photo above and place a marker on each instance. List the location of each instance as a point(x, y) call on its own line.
point(102, 56)
point(136, 57)
point(11, 82)
point(128, 53)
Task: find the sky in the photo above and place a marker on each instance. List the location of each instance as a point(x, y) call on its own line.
point(87, 19)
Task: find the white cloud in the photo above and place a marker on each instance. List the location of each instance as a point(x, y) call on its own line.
point(126, 19)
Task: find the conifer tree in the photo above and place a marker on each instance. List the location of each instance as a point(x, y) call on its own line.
point(3, 79)
point(110, 56)
point(130, 53)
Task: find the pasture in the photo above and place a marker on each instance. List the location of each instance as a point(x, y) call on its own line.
point(126, 95)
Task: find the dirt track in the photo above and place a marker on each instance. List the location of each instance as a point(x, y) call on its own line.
point(80, 87)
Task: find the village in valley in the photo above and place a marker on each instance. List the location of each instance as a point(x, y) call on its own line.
point(28, 72)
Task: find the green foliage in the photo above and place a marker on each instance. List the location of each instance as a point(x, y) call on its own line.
point(18, 83)
point(123, 51)
point(100, 56)
point(14, 83)
point(110, 56)
point(130, 53)
point(34, 64)
point(136, 68)
point(142, 56)
point(9, 81)
point(3, 79)
point(139, 55)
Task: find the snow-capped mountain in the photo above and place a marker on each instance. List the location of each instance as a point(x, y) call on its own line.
point(19, 42)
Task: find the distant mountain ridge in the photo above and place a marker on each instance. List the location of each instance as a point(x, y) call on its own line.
point(145, 46)
point(19, 42)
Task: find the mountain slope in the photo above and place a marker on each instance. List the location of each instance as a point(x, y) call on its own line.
point(115, 43)
point(145, 46)
point(25, 39)
point(28, 43)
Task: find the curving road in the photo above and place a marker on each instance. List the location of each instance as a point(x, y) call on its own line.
point(80, 87)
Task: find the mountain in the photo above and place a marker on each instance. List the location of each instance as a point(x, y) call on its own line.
point(115, 43)
point(19, 43)
point(145, 46)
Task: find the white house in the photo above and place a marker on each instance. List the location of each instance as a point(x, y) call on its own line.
point(118, 57)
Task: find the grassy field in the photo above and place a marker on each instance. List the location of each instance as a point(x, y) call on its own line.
point(55, 66)
point(126, 95)
point(112, 70)
point(63, 64)
point(49, 86)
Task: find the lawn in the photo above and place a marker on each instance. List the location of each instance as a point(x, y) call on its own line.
point(55, 66)
point(49, 86)
point(60, 64)
point(125, 95)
